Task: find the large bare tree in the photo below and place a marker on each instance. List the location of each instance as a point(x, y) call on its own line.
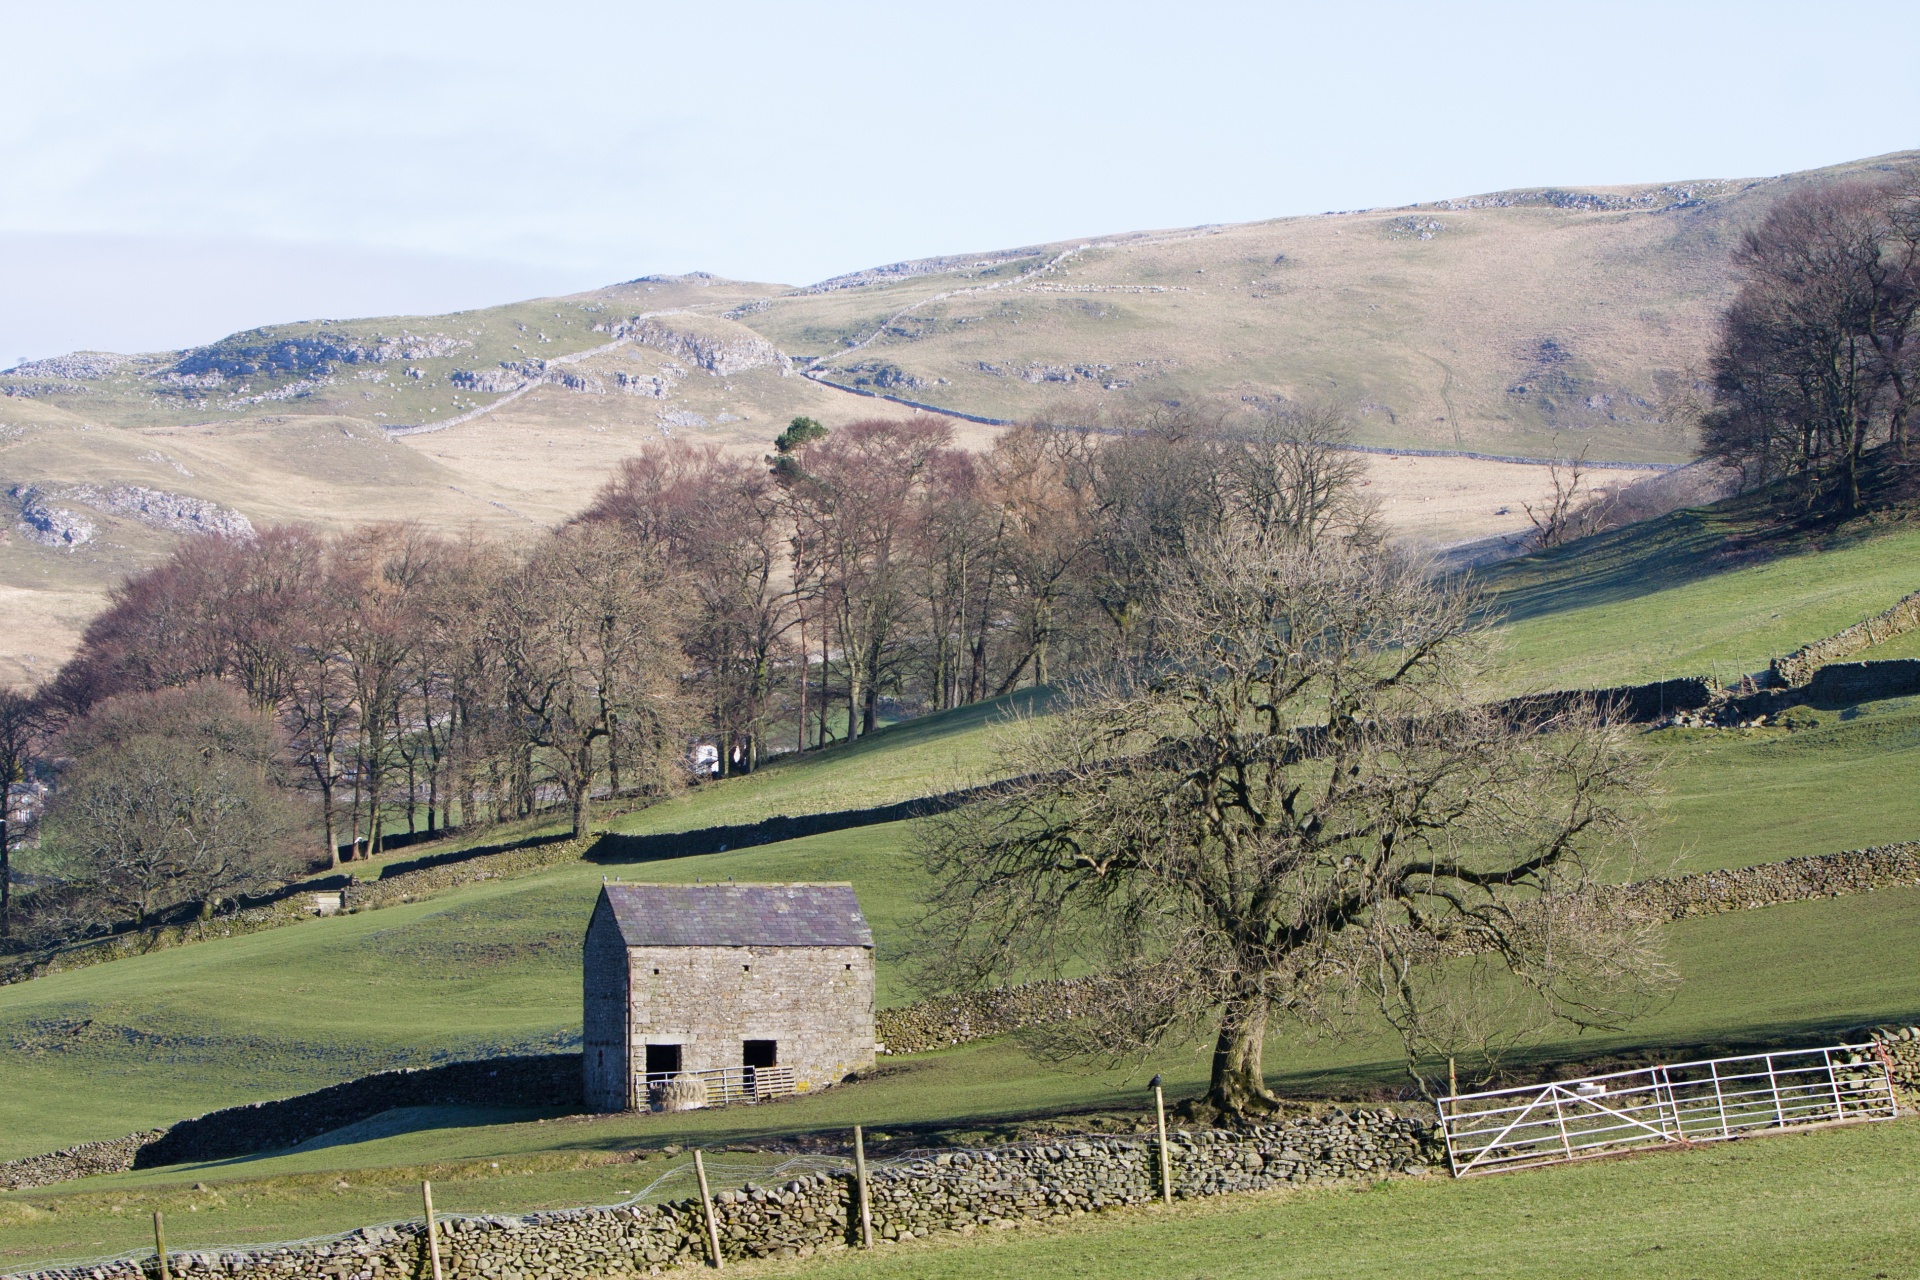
point(1295, 807)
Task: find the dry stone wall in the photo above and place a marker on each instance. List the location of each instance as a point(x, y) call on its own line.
point(1798, 667)
point(960, 1191)
point(534, 1080)
point(1901, 1047)
point(1767, 884)
point(424, 877)
point(112, 1156)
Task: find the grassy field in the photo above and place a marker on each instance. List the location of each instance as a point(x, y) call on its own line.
point(1842, 1203)
point(493, 968)
point(1754, 977)
point(1902, 646)
point(1697, 592)
point(921, 757)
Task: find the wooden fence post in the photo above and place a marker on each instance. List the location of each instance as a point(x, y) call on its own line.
point(433, 1231)
point(160, 1245)
point(706, 1204)
point(1166, 1161)
point(860, 1188)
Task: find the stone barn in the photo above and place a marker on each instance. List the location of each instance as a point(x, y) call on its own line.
point(707, 993)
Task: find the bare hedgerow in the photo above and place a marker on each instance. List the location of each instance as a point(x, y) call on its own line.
point(1297, 810)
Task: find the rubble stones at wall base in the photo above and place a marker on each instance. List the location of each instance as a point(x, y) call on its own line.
point(952, 1191)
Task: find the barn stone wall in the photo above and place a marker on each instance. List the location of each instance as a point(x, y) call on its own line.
point(605, 1057)
point(816, 1002)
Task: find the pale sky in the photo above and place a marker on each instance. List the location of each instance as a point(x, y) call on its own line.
point(169, 173)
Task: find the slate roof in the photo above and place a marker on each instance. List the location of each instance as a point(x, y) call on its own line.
point(738, 915)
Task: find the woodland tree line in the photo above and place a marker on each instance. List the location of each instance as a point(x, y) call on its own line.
point(1818, 357)
point(339, 688)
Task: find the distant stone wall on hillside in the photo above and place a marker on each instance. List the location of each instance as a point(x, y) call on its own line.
point(1798, 667)
point(1841, 684)
point(1634, 703)
point(540, 1080)
point(406, 882)
point(115, 1155)
point(1768, 884)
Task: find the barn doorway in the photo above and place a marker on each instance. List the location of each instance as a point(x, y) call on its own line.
point(760, 1053)
point(663, 1060)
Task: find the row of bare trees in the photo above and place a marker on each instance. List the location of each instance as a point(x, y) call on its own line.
point(410, 680)
point(878, 560)
point(413, 677)
point(1818, 356)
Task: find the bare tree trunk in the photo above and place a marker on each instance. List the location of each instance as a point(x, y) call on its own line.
point(853, 704)
point(825, 694)
point(1238, 1086)
point(806, 660)
point(6, 858)
point(326, 813)
point(353, 841)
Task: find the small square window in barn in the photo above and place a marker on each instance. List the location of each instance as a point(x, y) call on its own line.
point(663, 1059)
point(759, 1053)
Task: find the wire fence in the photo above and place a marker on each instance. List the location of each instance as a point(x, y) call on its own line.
point(1712, 1100)
point(724, 1169)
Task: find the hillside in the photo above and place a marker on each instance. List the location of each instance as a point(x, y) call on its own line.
point(1518, 323)
point(493, 966)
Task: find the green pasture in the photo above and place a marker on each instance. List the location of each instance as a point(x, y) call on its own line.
point(1808, 970)
point(913, 758)
point(493, 968)
point(1901, 646)
point(1839, 1203)
point(1688, 594)
point(1739, 796)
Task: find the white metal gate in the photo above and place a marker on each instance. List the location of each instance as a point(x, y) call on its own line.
point(1687, 1102)
point(725, 1086)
